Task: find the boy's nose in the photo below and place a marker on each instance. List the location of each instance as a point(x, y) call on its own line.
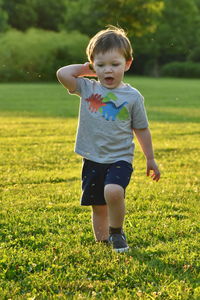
point(108, 69)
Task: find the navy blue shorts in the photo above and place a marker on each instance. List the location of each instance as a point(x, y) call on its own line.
point(96, 175)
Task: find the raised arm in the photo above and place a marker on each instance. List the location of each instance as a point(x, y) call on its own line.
point(67, 75)
point(145, 141)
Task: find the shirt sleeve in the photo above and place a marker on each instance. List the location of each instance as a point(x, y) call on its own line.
point(82, 85)
point(139, 116)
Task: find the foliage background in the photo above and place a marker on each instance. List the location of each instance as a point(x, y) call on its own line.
point(40, 174)
point(37, 37)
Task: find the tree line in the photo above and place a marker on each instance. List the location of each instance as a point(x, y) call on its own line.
point(165, 34)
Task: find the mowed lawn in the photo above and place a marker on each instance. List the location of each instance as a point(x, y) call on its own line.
point(47, 249)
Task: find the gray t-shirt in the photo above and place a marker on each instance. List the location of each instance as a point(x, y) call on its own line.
point(106, 121)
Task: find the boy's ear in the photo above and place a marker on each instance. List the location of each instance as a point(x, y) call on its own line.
point(91, 66)
point(128, 64)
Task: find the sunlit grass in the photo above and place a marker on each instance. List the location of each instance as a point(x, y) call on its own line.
point(47, 248)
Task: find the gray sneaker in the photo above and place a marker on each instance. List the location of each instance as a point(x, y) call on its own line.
point(118, 241)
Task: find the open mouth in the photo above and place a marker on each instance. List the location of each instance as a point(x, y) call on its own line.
point(109, 80)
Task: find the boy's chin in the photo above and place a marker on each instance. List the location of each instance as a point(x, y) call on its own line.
point(110, 85)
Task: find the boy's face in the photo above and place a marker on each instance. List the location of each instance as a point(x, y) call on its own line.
point(110, 68)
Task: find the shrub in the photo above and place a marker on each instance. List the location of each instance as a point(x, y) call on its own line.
point(181, 69)
point(36, 54)
point(195, 54)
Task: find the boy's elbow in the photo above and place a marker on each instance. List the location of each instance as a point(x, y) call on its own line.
point(61, 76)
point(59, 73)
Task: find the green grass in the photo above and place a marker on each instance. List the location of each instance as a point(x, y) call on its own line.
point(47, 249)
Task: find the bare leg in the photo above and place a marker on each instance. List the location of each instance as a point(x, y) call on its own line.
point(100, 222)
point(114, 196)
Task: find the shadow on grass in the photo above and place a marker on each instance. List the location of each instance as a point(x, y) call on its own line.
point(51, 180)
point(178, 150)
point(180, 270)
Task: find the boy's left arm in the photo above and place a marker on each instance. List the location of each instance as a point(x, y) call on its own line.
point(145, 141)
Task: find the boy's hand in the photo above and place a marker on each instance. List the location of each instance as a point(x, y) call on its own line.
point(152, 166)
point(87, 70)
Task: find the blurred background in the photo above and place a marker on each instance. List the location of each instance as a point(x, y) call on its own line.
point(39, 36)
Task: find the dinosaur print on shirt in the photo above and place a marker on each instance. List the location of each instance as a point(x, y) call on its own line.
point(107, 107)
point(110, 111)
point(95, 102)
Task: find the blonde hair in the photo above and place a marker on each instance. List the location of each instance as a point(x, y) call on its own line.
point(112, 38)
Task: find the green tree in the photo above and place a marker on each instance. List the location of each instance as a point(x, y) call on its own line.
point(3, 18)
point(137, 16)
point(175, 37)
point(177, 32)
point(194, 54)
point(50, 14)
point(79, 16)
point(23, 14)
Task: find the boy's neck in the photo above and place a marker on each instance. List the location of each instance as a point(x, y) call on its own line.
point(121, 85)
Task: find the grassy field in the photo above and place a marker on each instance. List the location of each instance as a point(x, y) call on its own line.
point(47, 249)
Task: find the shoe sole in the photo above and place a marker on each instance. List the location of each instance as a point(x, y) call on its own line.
point(121, 250)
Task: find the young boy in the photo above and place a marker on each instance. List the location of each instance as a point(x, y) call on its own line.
point(110, 111)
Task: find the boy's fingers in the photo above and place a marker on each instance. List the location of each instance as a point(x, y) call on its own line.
point(156, 176)
point(156, 173)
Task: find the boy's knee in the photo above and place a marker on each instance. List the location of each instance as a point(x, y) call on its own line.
point(113, 193)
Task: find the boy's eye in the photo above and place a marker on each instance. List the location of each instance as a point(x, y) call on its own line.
point(113, 64)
